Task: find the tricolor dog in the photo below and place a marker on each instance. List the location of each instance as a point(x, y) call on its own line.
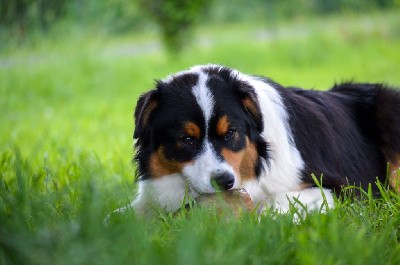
point(213, 128)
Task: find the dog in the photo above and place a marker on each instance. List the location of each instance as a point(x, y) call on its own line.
point(213, 128)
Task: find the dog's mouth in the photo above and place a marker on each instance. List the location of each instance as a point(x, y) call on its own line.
point(197, 193)
point(213, 187)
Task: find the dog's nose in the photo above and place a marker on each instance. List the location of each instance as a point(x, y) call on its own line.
point(224, 181)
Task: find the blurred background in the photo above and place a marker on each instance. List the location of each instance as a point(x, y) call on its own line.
point(72, 70)
point(174, 20)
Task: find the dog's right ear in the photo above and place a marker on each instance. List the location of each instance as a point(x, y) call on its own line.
point(145, 106)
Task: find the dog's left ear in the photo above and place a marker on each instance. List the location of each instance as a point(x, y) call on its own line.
point(145, 106)
point(251, 104)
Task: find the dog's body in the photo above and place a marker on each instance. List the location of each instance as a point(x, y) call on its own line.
point(215, 124)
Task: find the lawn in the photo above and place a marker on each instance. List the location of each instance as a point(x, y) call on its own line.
point(66, 145)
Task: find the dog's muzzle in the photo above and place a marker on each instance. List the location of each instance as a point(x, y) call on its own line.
point(223, 181)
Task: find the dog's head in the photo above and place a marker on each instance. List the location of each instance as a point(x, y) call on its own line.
point(204, 125)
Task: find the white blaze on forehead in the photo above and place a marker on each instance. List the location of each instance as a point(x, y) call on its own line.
point(204, 97)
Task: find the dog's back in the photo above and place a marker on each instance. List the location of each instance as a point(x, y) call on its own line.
point(348, 133)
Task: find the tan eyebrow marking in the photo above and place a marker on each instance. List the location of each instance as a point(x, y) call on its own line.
point(222, 126)
point(191, 129)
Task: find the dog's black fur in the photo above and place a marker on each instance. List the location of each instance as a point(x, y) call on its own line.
point(348, 133)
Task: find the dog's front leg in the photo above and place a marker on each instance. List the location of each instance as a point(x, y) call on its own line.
point(164, 194)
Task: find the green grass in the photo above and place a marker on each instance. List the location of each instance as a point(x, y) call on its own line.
point(66, 143)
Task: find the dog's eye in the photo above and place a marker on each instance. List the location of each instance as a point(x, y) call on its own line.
point(187, 140)
point(229, 135)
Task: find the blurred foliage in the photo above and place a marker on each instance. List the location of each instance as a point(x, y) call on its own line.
point(32, 13)
point(174, 18)
point(272, 10)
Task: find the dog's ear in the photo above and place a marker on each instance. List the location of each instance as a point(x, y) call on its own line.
point(145, 106)
point(251, 104)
